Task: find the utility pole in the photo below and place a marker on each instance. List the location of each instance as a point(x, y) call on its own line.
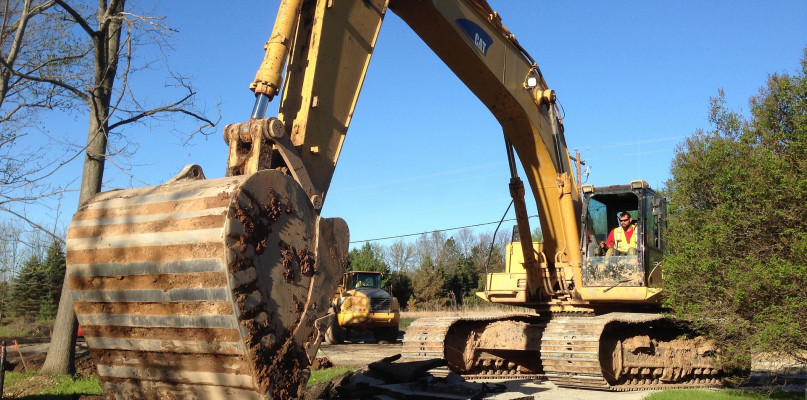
point(578, 164)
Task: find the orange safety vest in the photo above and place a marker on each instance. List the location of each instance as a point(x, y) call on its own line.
point(622, 245)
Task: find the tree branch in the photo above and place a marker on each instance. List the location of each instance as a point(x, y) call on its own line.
point(54, 82)
point(77, 18)
point(33, 224)
point(175, 107)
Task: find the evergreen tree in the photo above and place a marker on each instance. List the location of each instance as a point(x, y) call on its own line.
point(366, 259)
point(738, 238)
point(458, 274)
point(54, 268)
point(427, 285)
point(28, 289)
point(369, 259)
point(401, 288)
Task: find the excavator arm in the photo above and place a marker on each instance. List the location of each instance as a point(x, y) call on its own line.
point(328, 58)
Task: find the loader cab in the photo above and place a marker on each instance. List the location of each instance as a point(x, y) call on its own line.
point(357, 279)
point(601, 210)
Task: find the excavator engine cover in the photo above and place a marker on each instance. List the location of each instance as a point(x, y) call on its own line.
point(204, 288)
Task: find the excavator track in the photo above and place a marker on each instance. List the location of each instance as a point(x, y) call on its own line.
point(203, 288)
point(615, 351)
point(486, 346)
point(626, 351)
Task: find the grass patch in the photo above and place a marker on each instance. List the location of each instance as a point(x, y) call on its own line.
point(14, 378)
point(25, 328)
point(31, 385)
point(404, 323)
point(728, 394)
point(67, 385)
point(324, 375)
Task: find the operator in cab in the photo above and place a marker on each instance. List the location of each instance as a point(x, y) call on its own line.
point(621, 241)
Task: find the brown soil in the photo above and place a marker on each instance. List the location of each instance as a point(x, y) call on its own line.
point(157, 254)
point(84, 363)
point(154, 281)
point(163, 308)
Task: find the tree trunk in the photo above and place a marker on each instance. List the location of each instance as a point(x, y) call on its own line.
point(62, 352)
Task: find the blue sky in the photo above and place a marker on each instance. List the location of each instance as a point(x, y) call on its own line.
point(422, 153)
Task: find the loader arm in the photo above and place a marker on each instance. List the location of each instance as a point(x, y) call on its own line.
point(328, 58)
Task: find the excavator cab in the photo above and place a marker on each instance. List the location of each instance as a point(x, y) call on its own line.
point(601, 210)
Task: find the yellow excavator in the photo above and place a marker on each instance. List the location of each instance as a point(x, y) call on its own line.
point(220, 288)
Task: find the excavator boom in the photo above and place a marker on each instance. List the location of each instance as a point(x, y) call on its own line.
point(328, 59)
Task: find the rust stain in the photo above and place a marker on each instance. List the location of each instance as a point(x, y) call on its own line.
point(158, 281)
point(159, 254)
point(155, 208)
point(161, 308)
point(189, 334)
point(166, 225)
point(219, 363)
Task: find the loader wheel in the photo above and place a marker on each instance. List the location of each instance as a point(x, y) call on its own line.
point(335, 334)
point(386, 335)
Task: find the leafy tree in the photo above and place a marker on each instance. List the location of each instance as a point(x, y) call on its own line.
point(738, 242)
point(367, 259)
point(486, 259)
point(537, 235)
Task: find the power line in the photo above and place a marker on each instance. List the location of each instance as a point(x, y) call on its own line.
point(436, 230)
point(636, 142)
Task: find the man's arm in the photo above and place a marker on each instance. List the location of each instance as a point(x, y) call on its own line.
point(609, 242)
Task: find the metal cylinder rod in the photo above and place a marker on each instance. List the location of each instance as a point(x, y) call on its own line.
point(523, 224)
point(511, 158)
point(560, 145)
point(259, 109)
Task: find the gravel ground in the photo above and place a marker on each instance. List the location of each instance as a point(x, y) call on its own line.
point(363, 350)
point(363, 353)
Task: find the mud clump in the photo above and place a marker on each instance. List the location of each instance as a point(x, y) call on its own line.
point(321, 363)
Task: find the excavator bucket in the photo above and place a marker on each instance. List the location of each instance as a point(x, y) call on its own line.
point(204, 288)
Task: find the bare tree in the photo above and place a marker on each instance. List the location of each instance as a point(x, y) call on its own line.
point(400, 257)
point(33, 41)
point(111, 40)
point(465, 240)
point(11, 256)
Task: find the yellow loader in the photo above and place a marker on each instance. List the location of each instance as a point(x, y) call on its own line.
point(361, 304)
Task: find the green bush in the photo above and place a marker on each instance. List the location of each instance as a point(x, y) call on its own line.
point(737, 266)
